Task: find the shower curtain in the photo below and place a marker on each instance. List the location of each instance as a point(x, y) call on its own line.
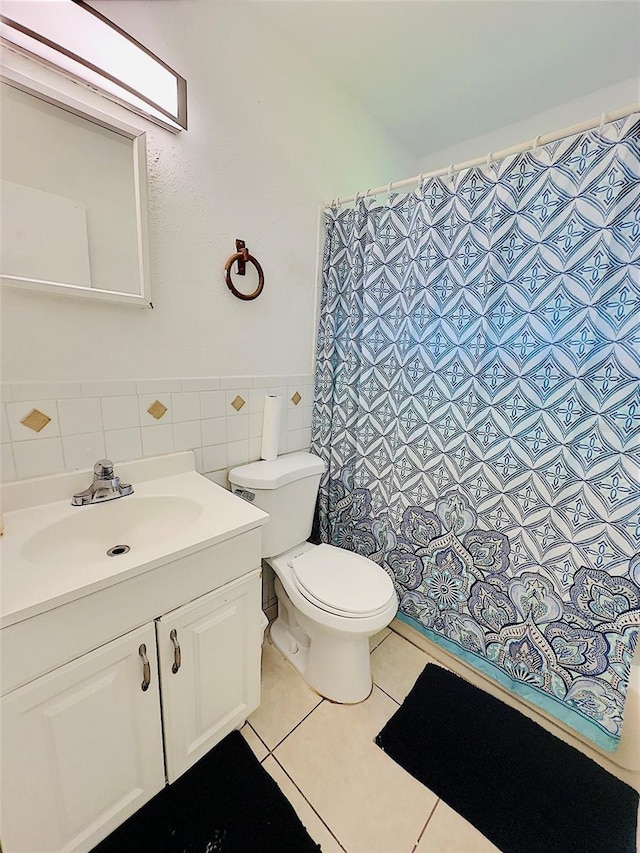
point(478, 407)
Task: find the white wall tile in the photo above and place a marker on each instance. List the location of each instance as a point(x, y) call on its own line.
point(7, 465)
point(158, 386)
point(307, 416)
point(185, 406)
point(294, 440)
point(187, 435)
point(306, 438)
point(122, 445)
point(79, 416)
point(201, 383)
point(214, 431)
point(256, 400)
point(146, 400)
point(294, 419)
point(17, 411)
point(213, 404)
point(214, 458)
point(227, 382)
point(109, 388)
point(237, 452)
point(6, 395)
point(237, 427)
point(37, 458)
point(45, 390)
point(266, 381)
point(157, 439)
point(83, 451)
point(120, 412)
point(255, 445)
point(255, 425)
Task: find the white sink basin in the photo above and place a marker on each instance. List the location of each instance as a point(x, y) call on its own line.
point(89, 533)
point(53, 553)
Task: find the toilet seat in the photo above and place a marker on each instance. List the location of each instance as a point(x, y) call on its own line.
point(341, 582)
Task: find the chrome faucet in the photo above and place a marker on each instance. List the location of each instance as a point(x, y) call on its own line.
point(105, 487)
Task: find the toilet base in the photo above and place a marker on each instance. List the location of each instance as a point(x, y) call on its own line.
point(336, 665)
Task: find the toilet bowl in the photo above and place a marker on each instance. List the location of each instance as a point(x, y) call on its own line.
point(330, 601)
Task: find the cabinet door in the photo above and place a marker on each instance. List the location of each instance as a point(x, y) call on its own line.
point(81, 749)
point(217, 682)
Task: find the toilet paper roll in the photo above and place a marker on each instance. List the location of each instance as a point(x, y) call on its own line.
point(271, 427)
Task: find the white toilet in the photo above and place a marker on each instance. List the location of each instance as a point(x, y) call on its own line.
point(330, 601)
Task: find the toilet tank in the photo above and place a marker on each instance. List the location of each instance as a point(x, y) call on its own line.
point(287, 489)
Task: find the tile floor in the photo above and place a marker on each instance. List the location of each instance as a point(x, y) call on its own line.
point(350, 795)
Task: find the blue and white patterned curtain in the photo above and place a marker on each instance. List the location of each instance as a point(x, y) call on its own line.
point(478, 405)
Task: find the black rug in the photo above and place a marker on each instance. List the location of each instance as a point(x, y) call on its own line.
point(524, 789)
point(226, 803)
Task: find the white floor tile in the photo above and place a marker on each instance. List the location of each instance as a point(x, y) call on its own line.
point(395, 665)
point(375, 641)
point(447, 832)
point(286, 699)
point(315, 827)
point(258, 748)
point(371, 804)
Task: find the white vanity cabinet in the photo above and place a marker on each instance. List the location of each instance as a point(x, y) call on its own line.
point(81, 748)
point(84, 746)
point(209, 653)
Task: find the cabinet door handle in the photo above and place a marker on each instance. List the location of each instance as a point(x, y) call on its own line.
point(177, 654)
point(146, 669)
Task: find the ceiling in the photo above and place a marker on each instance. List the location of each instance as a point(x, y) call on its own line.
point(437, 72)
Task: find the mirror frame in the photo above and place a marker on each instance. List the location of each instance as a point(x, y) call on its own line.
point(138, 139)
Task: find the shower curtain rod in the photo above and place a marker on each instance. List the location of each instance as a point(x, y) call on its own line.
point(498, 155)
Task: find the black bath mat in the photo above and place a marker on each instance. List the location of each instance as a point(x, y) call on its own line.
point(226, 803)
point(524, 789)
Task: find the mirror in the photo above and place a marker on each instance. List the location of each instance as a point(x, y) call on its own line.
point(72, 197)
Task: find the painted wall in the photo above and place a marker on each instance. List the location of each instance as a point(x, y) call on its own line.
point(572, 112)
point(269, 139)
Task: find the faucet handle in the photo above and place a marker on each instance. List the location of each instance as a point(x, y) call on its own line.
point(103, 469)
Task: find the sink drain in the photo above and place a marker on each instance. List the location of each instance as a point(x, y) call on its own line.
point(117, 550)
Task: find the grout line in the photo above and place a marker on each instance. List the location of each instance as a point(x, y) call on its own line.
point(424, 828)
point(280, 742)
point(260, 739)
point(377, 645)
point(314, 810)
point(382, 690)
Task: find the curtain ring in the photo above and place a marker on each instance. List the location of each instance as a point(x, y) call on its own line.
point(488, 159)
point(355, 199)
point(450, 174)
point(536, 143)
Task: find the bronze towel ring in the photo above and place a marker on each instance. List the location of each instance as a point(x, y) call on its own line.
point(243, 257)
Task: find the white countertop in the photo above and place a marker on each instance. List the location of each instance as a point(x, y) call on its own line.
point(31, 583)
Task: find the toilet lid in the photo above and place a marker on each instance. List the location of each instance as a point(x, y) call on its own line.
point(342, 582)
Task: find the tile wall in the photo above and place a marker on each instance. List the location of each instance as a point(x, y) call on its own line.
point(220, 419)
